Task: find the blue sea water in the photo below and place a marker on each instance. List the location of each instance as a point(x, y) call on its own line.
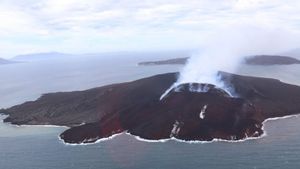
point(36, 147)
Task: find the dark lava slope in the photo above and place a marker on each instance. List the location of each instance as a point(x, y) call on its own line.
point(135, 107)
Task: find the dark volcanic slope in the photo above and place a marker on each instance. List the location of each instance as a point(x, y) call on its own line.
point(135, 107)
point(74, 108)
point(251, 60)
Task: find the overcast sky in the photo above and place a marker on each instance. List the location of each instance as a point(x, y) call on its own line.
point(88, 26)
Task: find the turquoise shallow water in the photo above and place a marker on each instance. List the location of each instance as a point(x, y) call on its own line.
point(30, 147)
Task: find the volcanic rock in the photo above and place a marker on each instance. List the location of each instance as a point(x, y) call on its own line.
point(135, 107)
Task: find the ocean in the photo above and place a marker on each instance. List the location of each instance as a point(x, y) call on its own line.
point(38, 147)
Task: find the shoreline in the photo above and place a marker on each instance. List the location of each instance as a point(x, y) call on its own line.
point(183, 141)
point(3, 116)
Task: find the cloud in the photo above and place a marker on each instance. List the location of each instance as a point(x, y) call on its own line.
point(131, 24)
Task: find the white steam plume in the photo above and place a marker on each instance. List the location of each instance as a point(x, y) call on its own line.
point(226, 49)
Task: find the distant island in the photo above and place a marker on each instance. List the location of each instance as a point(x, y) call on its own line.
point(176, 61)
point(4, 61)
point(250, 60)
point(135, 107)
point(40, 56)
point(271, 60)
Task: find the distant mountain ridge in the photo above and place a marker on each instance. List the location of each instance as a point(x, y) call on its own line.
point(4, 61)
point(59, 55)
point(40, 56)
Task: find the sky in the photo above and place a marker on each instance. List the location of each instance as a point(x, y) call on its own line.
point(91, 26)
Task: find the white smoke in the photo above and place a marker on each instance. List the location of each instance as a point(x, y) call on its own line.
point(225, 51)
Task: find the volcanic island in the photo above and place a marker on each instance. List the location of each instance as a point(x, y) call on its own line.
point(136, 108)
